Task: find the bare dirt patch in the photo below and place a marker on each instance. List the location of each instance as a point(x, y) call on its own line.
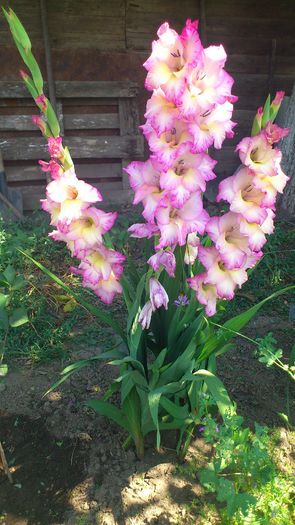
point(68, 464)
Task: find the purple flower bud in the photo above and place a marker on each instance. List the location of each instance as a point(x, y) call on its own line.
point(163, 258)
point(158, 295)
point(146, 315)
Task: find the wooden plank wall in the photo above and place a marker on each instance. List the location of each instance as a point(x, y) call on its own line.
point(109, 40)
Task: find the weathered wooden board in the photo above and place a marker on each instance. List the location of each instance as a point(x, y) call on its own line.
point(75, 89)
point(89, 148)
point(17, 123)
point(250, 8)
point(23, 174)
point(246, 26)
point(243, 63)
point(92, 121)
point(90, 24)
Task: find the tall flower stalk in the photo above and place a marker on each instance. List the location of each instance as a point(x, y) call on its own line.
point(69, 200)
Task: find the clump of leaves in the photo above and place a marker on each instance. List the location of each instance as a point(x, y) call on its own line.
point(268, 354)
point(10, 283)
point(10, 316)
point(274, 504)
point(243, 475)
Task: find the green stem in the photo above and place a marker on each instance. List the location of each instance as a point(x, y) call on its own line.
point(127, 442)
point(139, 445)
point(187, 441)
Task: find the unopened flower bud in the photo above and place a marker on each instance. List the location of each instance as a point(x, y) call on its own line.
point(40, 123)
point(158, 294)
point(41, 102)
point(145, 315)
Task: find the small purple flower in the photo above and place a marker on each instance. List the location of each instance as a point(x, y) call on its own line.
point(216, 428)
point(201, 429)
point(182, 300)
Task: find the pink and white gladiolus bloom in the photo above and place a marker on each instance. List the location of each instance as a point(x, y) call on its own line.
point(256, 233)
point(171, 57)
point(175, 224)
point(88, 230)
point(72, 194)
point(167, 147)
point(244, 198)
point(206, 293)
point(188, 174)
point(212, 127)
point(99, 264)
point(257, 154)
point(160, 112)
point(105, 290)
point(225, 279)
point(232, 245)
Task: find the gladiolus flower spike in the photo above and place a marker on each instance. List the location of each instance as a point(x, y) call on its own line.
point(69, 200)
point(189, 111)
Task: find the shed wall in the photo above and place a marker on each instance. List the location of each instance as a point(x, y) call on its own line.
point(109, 40)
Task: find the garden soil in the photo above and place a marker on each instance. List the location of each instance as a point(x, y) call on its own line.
point(68, 465)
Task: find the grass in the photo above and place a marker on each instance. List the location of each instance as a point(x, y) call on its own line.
point(56, 321)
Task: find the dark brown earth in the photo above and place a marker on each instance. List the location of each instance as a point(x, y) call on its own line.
point(68, 465)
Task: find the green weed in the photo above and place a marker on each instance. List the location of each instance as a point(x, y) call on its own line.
point(242, 473)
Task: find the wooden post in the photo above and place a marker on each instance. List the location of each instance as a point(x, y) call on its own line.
point(203, 25)
point(272, 65)
point(3, 184)
point(287, 202)
point(7, 196)
point(51, 86)
point(129, 122)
